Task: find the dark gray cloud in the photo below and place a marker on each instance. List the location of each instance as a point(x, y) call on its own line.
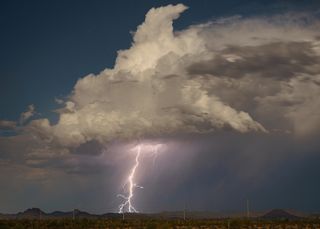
point(89, 148)
point(206, 175)
point(278, 60)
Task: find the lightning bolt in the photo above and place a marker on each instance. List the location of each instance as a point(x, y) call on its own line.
point(127, 204)
point(131, 183)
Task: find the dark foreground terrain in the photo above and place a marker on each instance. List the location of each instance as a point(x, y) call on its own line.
point(158, 223)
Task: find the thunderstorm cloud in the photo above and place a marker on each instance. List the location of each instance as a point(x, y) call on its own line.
point(241, 74)
point(226, 74)
point(237, 75)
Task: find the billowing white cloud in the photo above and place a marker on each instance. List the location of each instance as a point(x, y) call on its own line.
point(149, 91)
point(238, 73)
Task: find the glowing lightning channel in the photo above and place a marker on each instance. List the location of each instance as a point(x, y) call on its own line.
point(127, 204)
point(131, 185)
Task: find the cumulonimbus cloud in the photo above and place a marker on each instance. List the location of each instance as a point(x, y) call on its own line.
point(242, 74)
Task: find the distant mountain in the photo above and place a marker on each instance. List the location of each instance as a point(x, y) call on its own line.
point(76, 214)
point(61, 214)
point(279, 214)
point(82, 214)
point(31, 213)
point(36, 213)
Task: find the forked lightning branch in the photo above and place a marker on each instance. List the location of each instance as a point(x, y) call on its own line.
point(131, 185)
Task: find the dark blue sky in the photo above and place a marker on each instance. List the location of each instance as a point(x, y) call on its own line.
point(47, 46)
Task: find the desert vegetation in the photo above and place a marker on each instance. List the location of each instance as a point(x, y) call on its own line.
point(157, 223)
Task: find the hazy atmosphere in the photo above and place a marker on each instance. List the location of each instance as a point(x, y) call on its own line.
point(198, 105)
